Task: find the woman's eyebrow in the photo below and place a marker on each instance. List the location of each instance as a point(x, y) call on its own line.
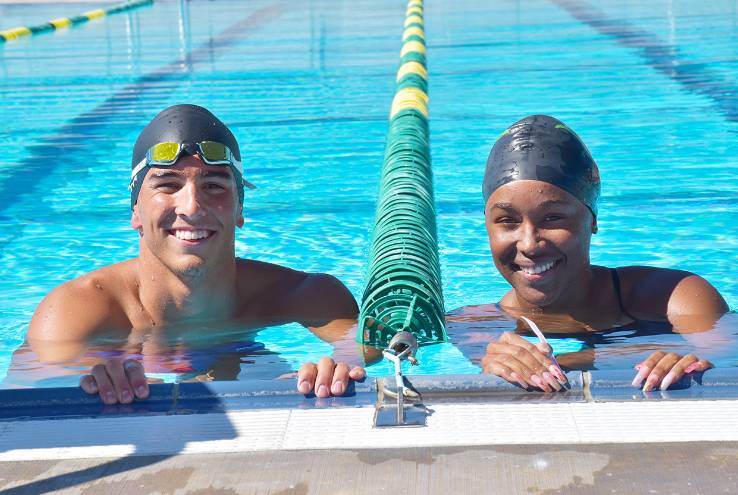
point(554, 202)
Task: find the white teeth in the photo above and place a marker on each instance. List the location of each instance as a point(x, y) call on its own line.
point(191, 235)
point(535, 270)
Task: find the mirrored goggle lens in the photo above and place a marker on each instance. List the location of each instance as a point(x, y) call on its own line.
point(164, 153)
point(213, 152)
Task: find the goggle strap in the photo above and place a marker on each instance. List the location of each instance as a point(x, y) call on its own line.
point(139, 166)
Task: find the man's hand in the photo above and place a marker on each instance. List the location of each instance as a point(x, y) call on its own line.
point(520, 362)
point(327, 377)
point(116, 381)
point(662, 369)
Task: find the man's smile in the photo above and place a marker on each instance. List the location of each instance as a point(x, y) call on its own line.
point(192, 236)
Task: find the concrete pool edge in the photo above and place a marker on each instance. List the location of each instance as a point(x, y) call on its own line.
point(221, 397)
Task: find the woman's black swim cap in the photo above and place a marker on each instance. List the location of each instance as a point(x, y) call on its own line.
point(543, 148)
point(183, 124)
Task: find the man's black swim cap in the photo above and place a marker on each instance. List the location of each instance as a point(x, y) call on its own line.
point(183, 124)
point(542, 148)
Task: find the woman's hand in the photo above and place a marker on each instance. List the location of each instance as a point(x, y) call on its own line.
point(116, 381)
point(327, 377)
point(666, 368)
point(520, 362)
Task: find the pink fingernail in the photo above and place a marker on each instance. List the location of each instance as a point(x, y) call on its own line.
point(667, 381)
point(652, 380)
point(551, 381)
point(303, 387)
point(560, 376)
point(514, 376)
point(537, 380)
point(640, 377)
point(692, 367)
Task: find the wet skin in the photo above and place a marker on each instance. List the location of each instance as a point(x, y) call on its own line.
point(540, 236)
point(188, 278)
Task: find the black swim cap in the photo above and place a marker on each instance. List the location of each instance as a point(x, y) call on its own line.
point(543, 148)
point(183, 124)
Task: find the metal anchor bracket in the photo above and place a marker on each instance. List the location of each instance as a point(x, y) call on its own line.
point(401, 406)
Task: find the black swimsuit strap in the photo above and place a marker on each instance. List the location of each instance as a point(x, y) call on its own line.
point(616, 285)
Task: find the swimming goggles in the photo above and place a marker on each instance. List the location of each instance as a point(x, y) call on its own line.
point(166, 154)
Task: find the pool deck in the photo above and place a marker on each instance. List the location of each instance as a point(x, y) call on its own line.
point(482, 435)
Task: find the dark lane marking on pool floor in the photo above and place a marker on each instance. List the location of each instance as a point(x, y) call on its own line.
point(81, 138)
point(697, 77)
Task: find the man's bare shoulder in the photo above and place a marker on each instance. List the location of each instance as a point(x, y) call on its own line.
point(307, 297)
point(79, 308)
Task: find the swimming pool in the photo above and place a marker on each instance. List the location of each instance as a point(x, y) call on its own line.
point(307, 89)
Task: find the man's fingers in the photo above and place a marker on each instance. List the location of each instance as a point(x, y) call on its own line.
point(136, 378)
point(88, 384)
point(324, 380)
point(120, 381)
point(340, 379)
point(104, 384)
point(357, 373)
point(306, 377)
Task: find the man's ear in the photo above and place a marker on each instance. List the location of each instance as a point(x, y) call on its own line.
point(136, 221)
point(594, 225)
point(240, 220)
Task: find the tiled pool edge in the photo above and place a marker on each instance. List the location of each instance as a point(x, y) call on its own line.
point(464, 411)
point(221, 397)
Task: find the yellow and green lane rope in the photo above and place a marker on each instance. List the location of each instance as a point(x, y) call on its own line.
point(403, 283)
point(66, 22)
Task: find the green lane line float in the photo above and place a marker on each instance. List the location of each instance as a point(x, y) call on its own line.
point(403, 284)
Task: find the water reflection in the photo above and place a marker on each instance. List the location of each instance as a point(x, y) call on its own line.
point(580, 346)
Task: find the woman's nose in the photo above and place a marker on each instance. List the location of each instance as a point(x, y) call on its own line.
point(530, 239)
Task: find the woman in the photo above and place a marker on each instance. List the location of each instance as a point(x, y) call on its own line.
point(541, 188)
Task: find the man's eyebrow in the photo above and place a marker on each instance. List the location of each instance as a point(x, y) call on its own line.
point(503, 206)
point(217, 175)
point(163, 174)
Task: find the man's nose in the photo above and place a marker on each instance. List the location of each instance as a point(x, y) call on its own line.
point(190, 202)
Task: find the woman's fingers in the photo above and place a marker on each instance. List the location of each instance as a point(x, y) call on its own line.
point(542, 368)
point(664, 369)
point(644, 368)
point(506, 365)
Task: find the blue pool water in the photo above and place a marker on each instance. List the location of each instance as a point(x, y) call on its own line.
point(306, 88)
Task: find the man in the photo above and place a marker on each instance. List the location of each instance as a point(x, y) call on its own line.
point(187, 198)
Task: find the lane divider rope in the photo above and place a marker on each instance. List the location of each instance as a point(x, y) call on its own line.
point(403, 284)
point(67, 22)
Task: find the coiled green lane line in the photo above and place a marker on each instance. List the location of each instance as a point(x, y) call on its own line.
point(65, 22)
point(403, 283)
